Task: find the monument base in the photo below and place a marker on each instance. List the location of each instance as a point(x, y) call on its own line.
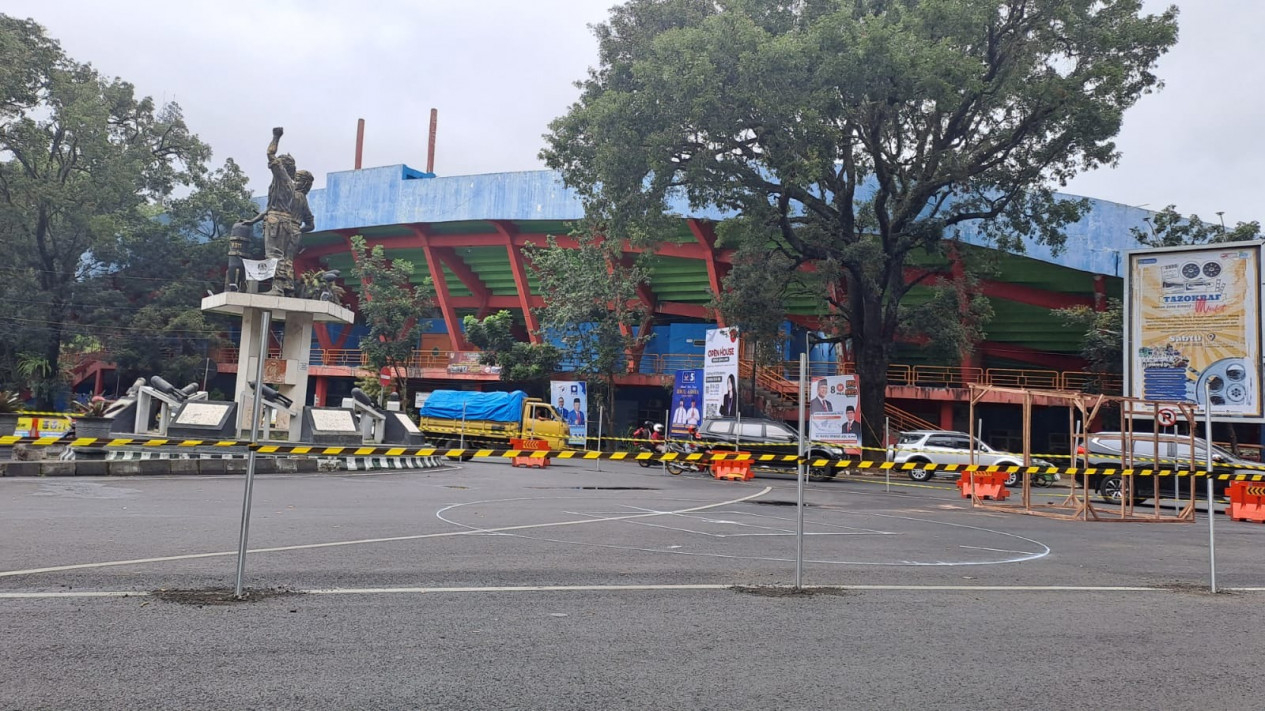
point(286, 371)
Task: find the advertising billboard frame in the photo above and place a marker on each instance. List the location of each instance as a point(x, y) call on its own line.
point(1134, 324)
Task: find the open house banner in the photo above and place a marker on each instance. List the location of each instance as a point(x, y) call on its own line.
point(720, 373)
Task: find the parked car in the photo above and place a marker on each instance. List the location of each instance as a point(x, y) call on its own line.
point(1107, 449)
point(762, 436)
point(946, 447)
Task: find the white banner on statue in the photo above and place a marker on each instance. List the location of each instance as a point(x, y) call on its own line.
point(259, 269)
point(720, 373)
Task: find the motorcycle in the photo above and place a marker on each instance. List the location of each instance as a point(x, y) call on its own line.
point(674, 467)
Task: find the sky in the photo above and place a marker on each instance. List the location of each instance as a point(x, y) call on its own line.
point(498, 71)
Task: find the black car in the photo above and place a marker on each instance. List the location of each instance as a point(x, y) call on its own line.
point(1165, 451)
point(763, 436)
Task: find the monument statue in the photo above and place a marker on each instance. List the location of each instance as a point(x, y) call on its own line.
point(238, 240)
point(286, 217)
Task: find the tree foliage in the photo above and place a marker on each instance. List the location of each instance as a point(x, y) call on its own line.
point(519, 362)
point(390, 306)
point(1169, 228)
point(1102, 342)
point(1102, 345)
point(103, 251)
point(858, 132)
point(594, 305)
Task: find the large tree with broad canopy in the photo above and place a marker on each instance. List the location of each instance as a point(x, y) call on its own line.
point(850, 135)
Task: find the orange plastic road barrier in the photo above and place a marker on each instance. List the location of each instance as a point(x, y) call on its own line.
point(529, 444)
point(732, 469)
point(987, 485)
point(1247, 502)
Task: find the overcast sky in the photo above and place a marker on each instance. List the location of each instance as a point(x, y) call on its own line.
point(499, 70)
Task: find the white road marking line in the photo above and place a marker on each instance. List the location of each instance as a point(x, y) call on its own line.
point(652, 588)
point(392, 539)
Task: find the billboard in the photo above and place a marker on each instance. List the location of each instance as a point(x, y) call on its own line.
point(720, 373)
point(833, 412)
point(1193, 326)
point(571, 399)
point(687, 396)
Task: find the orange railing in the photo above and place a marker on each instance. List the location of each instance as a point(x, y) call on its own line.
point(784, 377)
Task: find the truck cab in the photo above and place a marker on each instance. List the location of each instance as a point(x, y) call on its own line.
point(541, 421)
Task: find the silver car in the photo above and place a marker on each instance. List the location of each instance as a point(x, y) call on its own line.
point(945, 447)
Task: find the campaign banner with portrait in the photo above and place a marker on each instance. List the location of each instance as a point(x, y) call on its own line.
point(1194, 327)
point(720, 373)
point(687, 394)
point(571, 399)
point(834, 414)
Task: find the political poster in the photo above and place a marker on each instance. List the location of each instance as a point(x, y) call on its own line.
point(1194, 327)
point(687, 396)
point(834, 415)
point(571, 399)
point(720, 373)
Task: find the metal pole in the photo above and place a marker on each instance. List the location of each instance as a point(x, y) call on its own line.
point(887, 439)
point(667, 432)
point(1212, 514)
point(799, 476)
point(257, 406)
point(601, 414)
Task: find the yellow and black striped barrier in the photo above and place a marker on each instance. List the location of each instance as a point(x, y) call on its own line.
point(775, 460)
point(720, 455)
point(11, 440)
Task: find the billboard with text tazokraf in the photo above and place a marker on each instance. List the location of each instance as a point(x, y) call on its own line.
point(1193, 328)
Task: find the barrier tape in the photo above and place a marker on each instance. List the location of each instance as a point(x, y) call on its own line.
point(10, 440)
point(719, 455)
point(880, 450)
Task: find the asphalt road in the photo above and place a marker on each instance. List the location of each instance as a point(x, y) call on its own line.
point(486, 586)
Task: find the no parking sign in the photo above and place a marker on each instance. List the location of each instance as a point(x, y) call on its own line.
point(1166, 416)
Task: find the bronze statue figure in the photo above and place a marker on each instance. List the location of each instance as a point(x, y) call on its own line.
point(238, 239)
point(286, 217)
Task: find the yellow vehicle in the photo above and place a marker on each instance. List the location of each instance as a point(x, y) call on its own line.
point(489, 420)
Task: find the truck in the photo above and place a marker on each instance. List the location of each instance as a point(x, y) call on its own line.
point(489, 419)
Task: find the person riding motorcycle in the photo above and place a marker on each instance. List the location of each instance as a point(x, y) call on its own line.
point(657, 441)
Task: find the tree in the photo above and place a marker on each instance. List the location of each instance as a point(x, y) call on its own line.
point(390, 305)
point(81, 161)
point(147, 301)
point(595, 305)
point(1102, 345)
point(1169, 228)
point(519, 362)
point(753, 298)
point(860, 132)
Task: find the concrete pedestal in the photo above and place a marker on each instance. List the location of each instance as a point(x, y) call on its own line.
point(289, 373)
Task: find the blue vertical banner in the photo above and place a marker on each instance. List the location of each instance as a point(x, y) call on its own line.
point(571, 398)
point(687, 398)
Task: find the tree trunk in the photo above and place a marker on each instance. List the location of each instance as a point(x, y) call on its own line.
point(871, 368)
point(874, 349)
point(52, 352)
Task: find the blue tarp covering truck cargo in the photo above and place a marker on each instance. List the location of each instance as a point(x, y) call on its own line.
point(456, 404)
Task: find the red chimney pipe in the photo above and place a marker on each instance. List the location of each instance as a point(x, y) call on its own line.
point(360, 142)
point(430, 146)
